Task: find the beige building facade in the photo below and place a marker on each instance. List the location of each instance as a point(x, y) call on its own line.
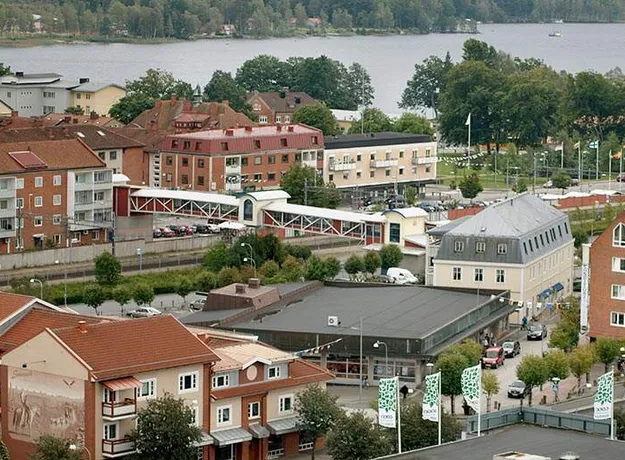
point(98, 98)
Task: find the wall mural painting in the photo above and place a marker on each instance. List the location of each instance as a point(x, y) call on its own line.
point(42, 403)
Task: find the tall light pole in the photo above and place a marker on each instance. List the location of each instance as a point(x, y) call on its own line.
point(74, 447)
point(249, 259)
point(377, 345)
point(360, 334)
point(140, 254)
point(35, 280)
point(243, 245)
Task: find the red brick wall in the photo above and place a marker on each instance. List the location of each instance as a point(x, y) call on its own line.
point(601, 279)
point(290, 442)
point(454, 214)
point(588, 201)
point(136, 165)
point(91, 437)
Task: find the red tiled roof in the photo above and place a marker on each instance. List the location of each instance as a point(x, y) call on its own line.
point(123, 348)
point(189, 117)
point(11, 303)
point(35, 322)
point(57, 155)
point(255, 132)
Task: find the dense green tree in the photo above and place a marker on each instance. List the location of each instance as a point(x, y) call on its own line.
point(166, 430)
point(4, 452)
point(561, 180)
point(318, 116)
point(428, 80)
point(75, 111)
point(418, 433)
point(306, 186)
point(341, 19)
point(143, 294)
point(4, 69)
point(107, 269)
point(372, 262)
point(354, 265)
point(372, 121)
point(263, 73)
point(332, 267)
point(122, 295)
point(532, 370)
point(227, 276)
point(490, 386)
point(520, 186)
point(317, 412)
point(390, 256)
point(470, 186)
point(222, 87)
point(220, 256)
point(354, 437)
point(564, 336)
point(206, 281)
point(557, 363)
point(184, 288)
point(94, 296)
point(130, 107)
point(412, 123)
point(52, 448)
point(451, 365)
point(580, 362)
point(269, 269)
point(607, 350)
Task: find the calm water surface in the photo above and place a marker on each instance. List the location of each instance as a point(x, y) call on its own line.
point(389, 60)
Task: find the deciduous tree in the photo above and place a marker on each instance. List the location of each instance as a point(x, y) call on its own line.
point(390, 256)
point(490, 386)
point(372, 262)
point(354, 437)
point(122, 295)
point(222, 87)
point(354, 265)
point(143, 294)
point(451, 365)
point(263, 73)
point(470, 186)
point(318, 116)
point(428, 80)
point(107, 269)
point(94, 297)
point(53, 448)
point(375, 121)
point(581, 361)
point(418, 433)
point(414, 124)
point(557, 363)
point(184, 288)
point(532, 371)
point(561, 180)
point(607, 350)
point(317, 412)
point(306, 186)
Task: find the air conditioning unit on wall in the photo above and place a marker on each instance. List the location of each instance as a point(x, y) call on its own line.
point(333, 321)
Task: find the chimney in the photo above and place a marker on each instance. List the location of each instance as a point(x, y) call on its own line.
point(83, 80)
point(82, 326)
point(248, 129)
point(254, 283)
point(290, 128)
point(14, 113)
point(279, 128)
point(229, 132)
point(239, 288)
point(19, 74)
point(187, 106)
point(67, 119)
point(75, 120)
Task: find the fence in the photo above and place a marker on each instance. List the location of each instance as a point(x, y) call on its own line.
point(538, 416)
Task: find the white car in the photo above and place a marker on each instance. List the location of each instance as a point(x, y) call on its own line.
point(144, 312)
point(401, 276)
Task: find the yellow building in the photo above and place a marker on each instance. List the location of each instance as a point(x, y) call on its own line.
point(96, 97)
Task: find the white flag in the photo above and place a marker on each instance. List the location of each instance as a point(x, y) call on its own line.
point(604, 397)
point(468, 123)
point(432, 398)
point(559, 148)
point(472, 386)
point(577, 145)
point(387, 402)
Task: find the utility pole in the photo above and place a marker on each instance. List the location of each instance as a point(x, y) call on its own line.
point(534, 184)
point(305, 192)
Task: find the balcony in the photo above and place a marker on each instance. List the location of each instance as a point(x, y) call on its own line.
point(423, 161)
point(112, 448)
point(334, 166)
point(383, 163)
point(119, 409)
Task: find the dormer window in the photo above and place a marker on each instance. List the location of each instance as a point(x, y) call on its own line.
point(221, 381)
point(458, 246)
point(274, 372)
point(480, 247)
point(618, 236)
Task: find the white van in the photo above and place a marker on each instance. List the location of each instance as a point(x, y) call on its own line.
point(401, 276)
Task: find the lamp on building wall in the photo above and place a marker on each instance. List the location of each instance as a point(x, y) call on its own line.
point(75, 447)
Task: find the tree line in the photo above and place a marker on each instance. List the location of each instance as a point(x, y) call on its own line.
point(185, 19)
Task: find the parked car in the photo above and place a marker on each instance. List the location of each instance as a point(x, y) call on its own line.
point(184, 230)
point(493, 357)
point(197, 304)
point(167, 232)
point(156, 233)
point(536, 332)
point(517, 389)
point(213, 228)
point(401, 276)
point(144, 312)
point(512, 348)
point(620, 177)
point(202, 229)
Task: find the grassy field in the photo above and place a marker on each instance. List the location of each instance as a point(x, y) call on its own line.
point(448, 172)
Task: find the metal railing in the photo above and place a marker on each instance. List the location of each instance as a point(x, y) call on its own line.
point(118, 446)
point(275, 453)
point(306, 446)
point(119, 408)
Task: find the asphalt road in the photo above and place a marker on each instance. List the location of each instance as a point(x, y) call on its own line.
point(167, 303)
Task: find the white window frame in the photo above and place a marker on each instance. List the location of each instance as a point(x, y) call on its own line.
point(620, 230)
point(458, 246)
point(616, 264)
point(500, 276)
point(38, 201)
point(620, 292)
point(220, 415)
point(195, 411)
point(263, 119)
point(57, 200)
point(39, 181)
point(56, 219)
point(151, 386)
point(457, 270)
point(195, 380)
point(250, 412)
point(281, 404)
point(19, 183)
point(225, 381)
point(617, 318)
point(56, 180)
point(480, 272)
point(276, 370)
point(19, 203)
point(502, 248)
point(38, 219)
point(480, 247)
point(106, 433)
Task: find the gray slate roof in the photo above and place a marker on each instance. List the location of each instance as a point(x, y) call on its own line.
point(345, 141)
point(548, 442)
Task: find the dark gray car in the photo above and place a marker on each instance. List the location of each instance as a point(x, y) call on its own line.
point(517, 389)
point(536, 332)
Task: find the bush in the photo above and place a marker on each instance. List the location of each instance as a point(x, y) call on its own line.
point(220, 256)
point(269, 269)
point(372, 262)
point(390, 256)
point(354, 265)
point(205, 281)
point(292, 269)
point(227, 276)
point(297, 251)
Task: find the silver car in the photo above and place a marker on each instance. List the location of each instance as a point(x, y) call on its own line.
point(144, 312)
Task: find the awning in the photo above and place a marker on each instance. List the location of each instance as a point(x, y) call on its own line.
point(283, 426)
point(231, 436)
point(205, 440)
point(546, 293)
point(126, 383)
point(258, 431)
point(558, 287)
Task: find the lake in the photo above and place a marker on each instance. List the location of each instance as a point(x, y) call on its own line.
point(390, 60)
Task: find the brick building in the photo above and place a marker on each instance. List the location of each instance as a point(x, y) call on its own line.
point(236, 159)
point(275, 107)
point(52, 193)
point(606, 312)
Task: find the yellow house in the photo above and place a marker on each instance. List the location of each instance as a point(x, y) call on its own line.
point(96, 97)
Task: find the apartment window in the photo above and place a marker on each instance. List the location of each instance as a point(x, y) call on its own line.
point(274, 372)
point(6, 223)
point(102, 156)
point(200, 162)
point(187, 382)
point(531, 245)
point(48, 94)
point(148, 389)
point(298, 157)
point(358, 174)
point(263, 119)
point(479, 275)
point(243, 161)
point(285, 158)
point(560, 231)
point(221, 381)
point(56, 180)
point(502, 248)
point(95, 235)
point(401, 171)
point(618, 264)
point(394, 233)
point(372, 156)
point(113, 156)
point(372, 173)
point(428, 153)
point(617, 318)
point(56, 200)
point(287, 119)
point(38, 201)
point(566, 228)
point(457, 273)
point(169, 160)
point(9, 94)
point(185, 161)
point(458, 246)
point(314, 140)
point(283, 142)
point(618, 291)
point(224, 146)
point(38, 181)
point(48, 109)
point(78, 95)
point(271, 176)
point(174, 144)
point(256, 143)
point(57, 240)
point(102, 177)
point(427, 169)
point(278, 119)
point(258, 177)
point(223, 415)
point(286, 404)
point(186, 145)
point(500, 276)
point(200, 180)
point(253, 410)
point(618, 235)
point(359, 157)
point(56, 219)
point(169, 177)
point(110, 431)
point(258, 160)
point(480, 247)
point(19, 203)
point(524, 247)
point(198, 146)
point(536, 243)
point(185, 179)
point(401, 154)
point(87, 96)
point(271, 159)
point(331, 177)
point(19, 183)
point(4, 204)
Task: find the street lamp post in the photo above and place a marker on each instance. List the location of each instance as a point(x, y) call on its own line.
point(140, 254)
point(360, 334)
point(243, 245)
point(35, 280)
point(249, 259)
point(76, 447)
point(377, 345)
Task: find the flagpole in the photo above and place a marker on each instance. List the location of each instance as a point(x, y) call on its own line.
point(612, 407)
point(610, 171)
point(398, 418)
point(469, 143)
point(479, 412)
point(440, 413)
point(597, 165)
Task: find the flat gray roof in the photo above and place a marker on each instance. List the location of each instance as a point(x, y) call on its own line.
point(390, 311)
point(209, 316)
point(548, 442)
